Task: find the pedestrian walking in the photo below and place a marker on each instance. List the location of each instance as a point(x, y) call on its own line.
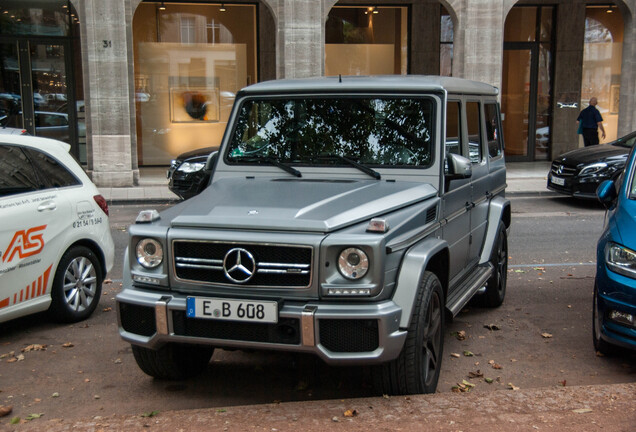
point(590, 120)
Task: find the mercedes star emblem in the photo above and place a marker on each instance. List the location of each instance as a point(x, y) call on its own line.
point(239, 265)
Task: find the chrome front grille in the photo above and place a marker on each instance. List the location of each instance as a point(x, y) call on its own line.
point(253, 265)
point(560, 170)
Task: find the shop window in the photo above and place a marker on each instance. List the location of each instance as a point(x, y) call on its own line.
point(602, 57)
point(366, 41)
point(190, 60)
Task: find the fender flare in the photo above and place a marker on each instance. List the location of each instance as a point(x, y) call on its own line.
point(499, 210)
point(412, 270)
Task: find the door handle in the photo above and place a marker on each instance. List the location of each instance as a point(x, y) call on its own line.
point(47, 206)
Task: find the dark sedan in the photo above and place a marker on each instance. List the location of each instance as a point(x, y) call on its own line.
point(187, 173)
point(579, 172)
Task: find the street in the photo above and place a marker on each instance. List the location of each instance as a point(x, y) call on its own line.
point(540, 337)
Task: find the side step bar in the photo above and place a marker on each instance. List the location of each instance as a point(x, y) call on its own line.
point(468, 287)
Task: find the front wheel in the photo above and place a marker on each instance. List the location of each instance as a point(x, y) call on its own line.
point(173, 361)
point(496, 287)
point(77, 285)
point(417, 368)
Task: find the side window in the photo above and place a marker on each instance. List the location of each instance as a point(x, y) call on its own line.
point(55, 173)
point(16, 172)
point(453, 128)
point(474, 131)
point(493, 134)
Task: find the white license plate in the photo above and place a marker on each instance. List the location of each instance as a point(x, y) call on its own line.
point(232, 310)
point(558, 181)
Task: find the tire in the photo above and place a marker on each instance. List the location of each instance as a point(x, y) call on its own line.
point(173, 361)
point(600, 345)
point(77, 285)
point(496, 286)
point(417, 368)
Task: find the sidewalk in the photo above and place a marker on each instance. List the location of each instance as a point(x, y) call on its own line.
point(523, 178)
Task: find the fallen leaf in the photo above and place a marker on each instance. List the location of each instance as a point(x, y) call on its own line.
point(20, 357)
point(222, 410)
point(563, 383)
point(68, 345)
point(34, 347)
point(107, 281)
point(546, 335)
point(460, 335)
point(108, 309)
point(335, 419)
point(492, 327)
point(34, 416)
point(150, 414)
point(582, 410)
point(117, 361)
point(5, 410)
point(468, 383)
point(455, 355)
point(512, 386)
point(55, 395)
point(15, 420)
point(488, 380)
point(350, 413)
point(476, 374)
point(468, 354)
point(519, 271)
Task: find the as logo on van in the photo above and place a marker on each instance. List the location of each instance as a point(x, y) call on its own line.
point(25, 243)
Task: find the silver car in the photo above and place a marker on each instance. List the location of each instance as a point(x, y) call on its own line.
point(345, 217)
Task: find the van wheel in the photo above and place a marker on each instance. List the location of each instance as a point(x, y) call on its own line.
point(417, 368)
point(496, 287)
point(77, 285)
point(173, 361)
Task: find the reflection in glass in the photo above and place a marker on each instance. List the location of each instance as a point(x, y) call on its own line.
point(10, 97)
point(41, 18)
point(446, 44)
point(521, 24)
point(318, 131)
point(366, 41)
point(602, 57)
point(515, 100)
point(190, 60)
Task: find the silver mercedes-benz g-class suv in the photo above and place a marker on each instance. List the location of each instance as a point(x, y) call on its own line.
point(346, 217)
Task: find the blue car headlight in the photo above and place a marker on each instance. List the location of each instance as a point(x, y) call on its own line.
point(188, 167)
point(621, 260)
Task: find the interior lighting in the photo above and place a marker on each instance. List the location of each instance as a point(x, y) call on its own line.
point(222, 8)
point(375, 11)
point(162, 7)
point(610, 10)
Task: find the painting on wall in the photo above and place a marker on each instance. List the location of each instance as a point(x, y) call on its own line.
point(615, 91)
point(194, 104)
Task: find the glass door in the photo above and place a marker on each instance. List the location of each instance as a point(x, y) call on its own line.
point(515, 102)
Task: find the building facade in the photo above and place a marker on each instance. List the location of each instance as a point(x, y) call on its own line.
point(133, 83)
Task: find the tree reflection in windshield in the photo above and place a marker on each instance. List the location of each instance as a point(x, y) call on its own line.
point(371, 131)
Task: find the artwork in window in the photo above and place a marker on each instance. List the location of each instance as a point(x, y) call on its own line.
point(194, 104)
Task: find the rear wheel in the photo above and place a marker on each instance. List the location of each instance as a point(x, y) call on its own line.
point(417, 368)
point(173, 361)
point(496, 287)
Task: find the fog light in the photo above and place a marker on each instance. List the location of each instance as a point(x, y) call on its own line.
point(349, 292)
point(146, 279)
point(622, 318)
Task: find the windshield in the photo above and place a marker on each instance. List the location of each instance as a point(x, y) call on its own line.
point(626, 141)
point(379, 132)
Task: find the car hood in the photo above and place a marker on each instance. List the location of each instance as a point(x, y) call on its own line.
point(295, 204)
point(597, 153)
point(202, 153)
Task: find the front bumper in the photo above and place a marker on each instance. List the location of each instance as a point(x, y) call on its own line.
point(340, 334)
point(616, 292)
point(578, 187)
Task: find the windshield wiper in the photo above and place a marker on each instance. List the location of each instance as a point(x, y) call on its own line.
point(273, 162)
point(365, 169)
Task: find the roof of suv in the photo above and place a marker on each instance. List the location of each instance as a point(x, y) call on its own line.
point(391, 83)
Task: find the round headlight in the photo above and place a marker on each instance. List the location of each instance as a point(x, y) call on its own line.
point(353, 263)
point(149, 253)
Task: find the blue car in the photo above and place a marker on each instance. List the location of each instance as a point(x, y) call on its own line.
point(614, 322)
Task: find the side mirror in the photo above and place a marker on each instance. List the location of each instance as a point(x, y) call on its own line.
point(606, 193)
point(458, 167)
point(211, 162)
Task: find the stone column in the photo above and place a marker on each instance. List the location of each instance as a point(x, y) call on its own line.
point(300, 41)
point(480, 41)
point(425, 34)
point(570, 34)
point(105, 37)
